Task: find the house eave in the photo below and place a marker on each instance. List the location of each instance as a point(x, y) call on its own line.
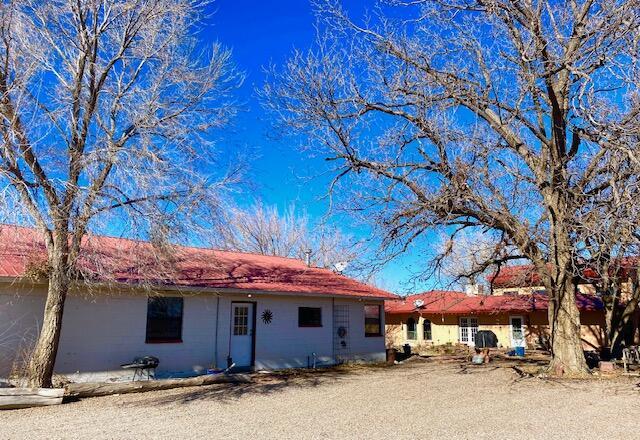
point(219, 291)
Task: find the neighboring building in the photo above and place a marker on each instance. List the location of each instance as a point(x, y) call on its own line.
point(199, 309)
point(446, 317)
point(516, 311)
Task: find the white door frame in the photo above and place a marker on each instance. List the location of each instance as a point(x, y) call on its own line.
point(251, 330)
point(521, 341)
point(468, 330)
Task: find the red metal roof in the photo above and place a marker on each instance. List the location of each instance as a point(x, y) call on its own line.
point(515, 276)
point(434, 302)
point(526, 276)
point(458, 303)
point(110, 259)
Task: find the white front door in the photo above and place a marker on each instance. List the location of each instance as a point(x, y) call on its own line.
point(242, 319)
point(468, 330)
point(516, 325)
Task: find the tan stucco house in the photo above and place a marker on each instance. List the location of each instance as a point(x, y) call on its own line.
point(515, 311)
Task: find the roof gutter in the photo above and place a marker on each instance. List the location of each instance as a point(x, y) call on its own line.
point(187, 289)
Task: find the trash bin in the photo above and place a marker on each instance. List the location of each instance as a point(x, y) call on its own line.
point(520, 351)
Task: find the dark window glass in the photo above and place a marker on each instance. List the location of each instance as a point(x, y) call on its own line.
point(164, 319)
point(426, 328)
point(412, 333)
point(309, 317)
point(372, 325)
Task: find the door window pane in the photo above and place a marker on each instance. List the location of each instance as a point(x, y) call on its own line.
point(516, 328)
point(473, 322)
point(240, 320)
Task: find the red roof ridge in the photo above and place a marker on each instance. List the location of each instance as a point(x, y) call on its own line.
point(177, 245)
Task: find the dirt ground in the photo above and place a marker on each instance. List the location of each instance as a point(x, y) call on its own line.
point(419, 399)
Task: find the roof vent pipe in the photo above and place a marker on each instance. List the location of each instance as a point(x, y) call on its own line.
point(307, 257)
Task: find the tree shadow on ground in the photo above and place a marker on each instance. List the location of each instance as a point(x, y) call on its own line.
point(260, 385)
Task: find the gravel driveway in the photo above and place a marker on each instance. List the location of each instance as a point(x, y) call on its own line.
point(419, 399)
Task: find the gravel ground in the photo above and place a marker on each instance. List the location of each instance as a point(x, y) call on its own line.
point(419, 399)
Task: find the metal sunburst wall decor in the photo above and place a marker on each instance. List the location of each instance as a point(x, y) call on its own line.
point(267, 316)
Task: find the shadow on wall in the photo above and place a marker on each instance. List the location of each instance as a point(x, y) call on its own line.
point(16, 346)
point(299, 362)
point(537, 336)
point(593, 337)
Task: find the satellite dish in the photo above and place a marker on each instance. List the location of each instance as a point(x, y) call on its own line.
point(340, 266)
point(418, 303)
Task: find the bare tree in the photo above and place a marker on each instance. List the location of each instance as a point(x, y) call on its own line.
point(498, 114)
point(263, 230)
point(467, 259)
point(107, 109)
point(610, 245)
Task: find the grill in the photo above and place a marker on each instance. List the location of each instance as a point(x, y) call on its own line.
point(486, 339)
point(143, 366)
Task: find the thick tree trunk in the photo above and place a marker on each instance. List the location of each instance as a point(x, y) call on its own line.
point(566, 342)
point(40, 370)
point(564, 316)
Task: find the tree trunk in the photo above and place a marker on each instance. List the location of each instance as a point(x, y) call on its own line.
point(621, 323)
point(566, 342)
point(43, 358)
point(621, 309)
point(609, 327)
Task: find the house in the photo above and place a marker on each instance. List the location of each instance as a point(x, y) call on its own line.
point(193, 309)
point(516, 312)
point(448, 317)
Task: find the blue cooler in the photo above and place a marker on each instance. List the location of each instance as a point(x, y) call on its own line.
point(520, 351)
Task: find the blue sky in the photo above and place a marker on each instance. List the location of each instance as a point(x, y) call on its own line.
point(261, 33)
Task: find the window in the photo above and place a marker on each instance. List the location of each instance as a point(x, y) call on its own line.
point(426, 330)
point(412, 333)
point(240, 320)
point(164, 319)
point(309, 317)
point(372, 320)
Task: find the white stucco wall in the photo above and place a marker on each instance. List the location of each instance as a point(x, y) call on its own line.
point(282, 344)
point(104, 330)
point(364, 348)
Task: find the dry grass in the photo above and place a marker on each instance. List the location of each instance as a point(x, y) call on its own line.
point(437, 398)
